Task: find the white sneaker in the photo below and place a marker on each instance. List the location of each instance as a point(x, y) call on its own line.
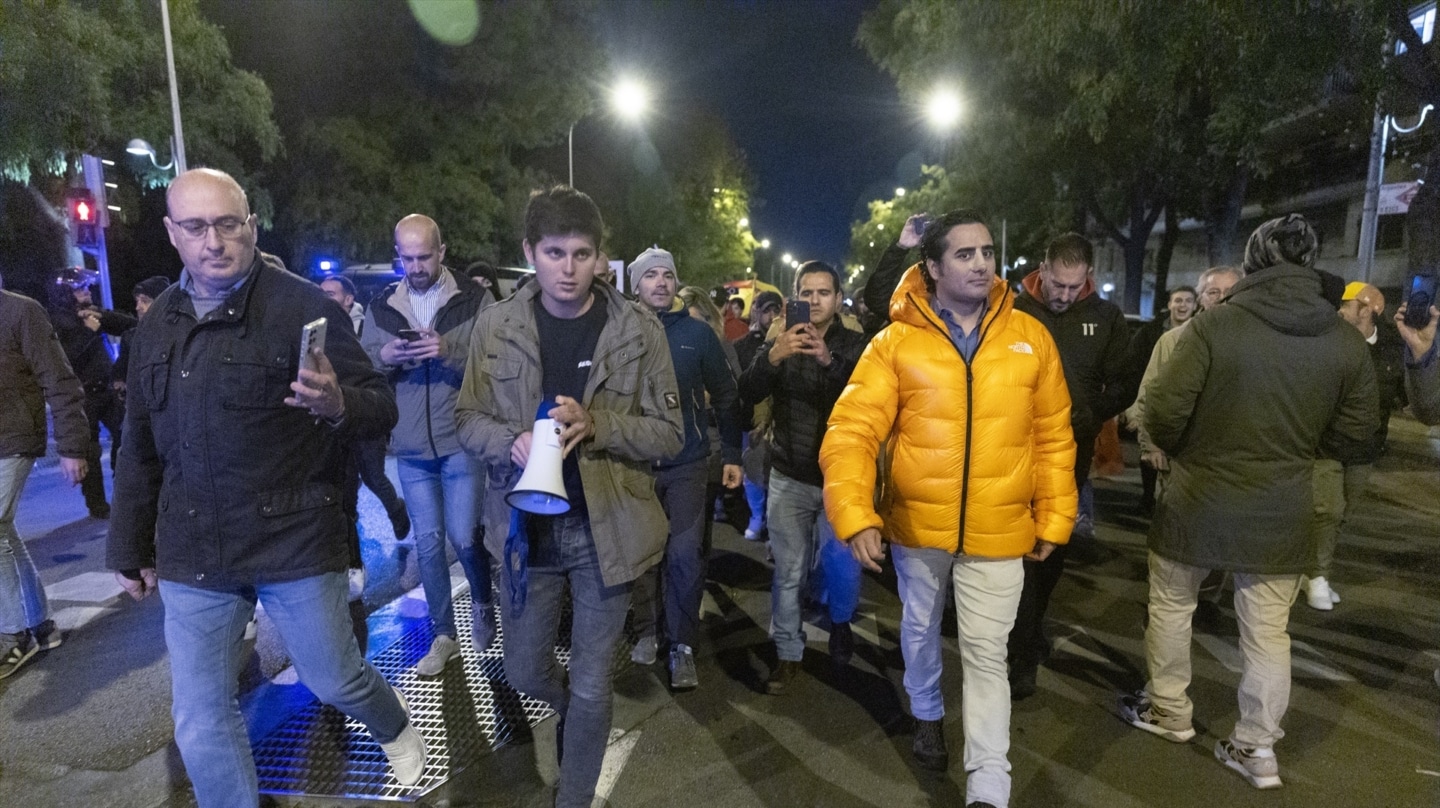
point(1259, 765)
point(645, 651)
point(442, 649)
point(1318, 594)
point(407, 752)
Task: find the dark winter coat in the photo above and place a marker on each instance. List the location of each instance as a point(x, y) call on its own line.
point(802, 393)
point(34, 372)
point(1253, 390)
point(220, 483)
point(701, 367)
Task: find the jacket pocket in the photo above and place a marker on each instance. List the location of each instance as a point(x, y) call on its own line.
point(154, 380)
point(255, 377)
point(282, 510)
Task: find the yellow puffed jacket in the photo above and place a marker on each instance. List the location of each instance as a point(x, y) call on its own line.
point(981, 454)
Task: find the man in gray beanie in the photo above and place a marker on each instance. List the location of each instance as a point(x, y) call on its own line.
point(1252, 391)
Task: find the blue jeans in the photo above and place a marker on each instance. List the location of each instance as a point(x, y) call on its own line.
point(799, 532)
point(443, 497)
point(204, 631)
point(676, 586)
point(584, 706)
point(22, 596)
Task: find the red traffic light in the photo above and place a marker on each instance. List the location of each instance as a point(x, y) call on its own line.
point(82, 206)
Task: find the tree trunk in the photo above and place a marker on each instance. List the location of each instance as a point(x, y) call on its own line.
point(1162, 257)
point(1225, 220)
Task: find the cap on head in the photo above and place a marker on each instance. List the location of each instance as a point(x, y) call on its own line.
point(765, 300)
point(1287, 240)
point(1368, 295)
point(152, 286)
point(645, 261)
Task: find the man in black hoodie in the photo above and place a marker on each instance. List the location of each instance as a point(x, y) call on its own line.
point(1254, 390)
point(1094, 346)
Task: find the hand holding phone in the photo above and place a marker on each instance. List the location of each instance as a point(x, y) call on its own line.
point(312, 344)
point(408, 334)
point(1419, 297)
point(797, 312)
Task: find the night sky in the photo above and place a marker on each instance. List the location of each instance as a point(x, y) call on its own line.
point(823, 130)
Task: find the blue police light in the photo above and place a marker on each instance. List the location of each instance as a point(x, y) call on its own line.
point(326, 265)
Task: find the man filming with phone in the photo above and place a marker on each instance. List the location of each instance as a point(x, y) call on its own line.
point(803, 372)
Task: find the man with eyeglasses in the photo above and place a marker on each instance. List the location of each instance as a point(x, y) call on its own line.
point(229, 486)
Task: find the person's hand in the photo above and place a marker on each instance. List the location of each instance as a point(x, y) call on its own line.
point(911, 234)
point(1042, 550)
point(790, 342)
point(815, 346)
point(73, 469)
point(318, 391)
point(520, 449)
point(1419, 340)
point(575, 420)
point(1156, 459)
point(427, 347)
point(731, 475)
point(868, 548)
point(91, 318)
point(141, 589)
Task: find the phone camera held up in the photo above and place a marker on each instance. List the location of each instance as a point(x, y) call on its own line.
point(797, 312)
point(1419, 297)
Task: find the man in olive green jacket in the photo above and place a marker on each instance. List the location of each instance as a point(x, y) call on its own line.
point(601, 365)
point(1253, 390)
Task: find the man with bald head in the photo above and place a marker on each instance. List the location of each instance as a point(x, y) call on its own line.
point(228, 491)
point(417, 332)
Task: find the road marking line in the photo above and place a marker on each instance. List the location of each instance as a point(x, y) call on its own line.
point(617, 754)
point(87, 587)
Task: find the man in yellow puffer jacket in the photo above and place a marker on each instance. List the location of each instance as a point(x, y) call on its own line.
point(968, 400)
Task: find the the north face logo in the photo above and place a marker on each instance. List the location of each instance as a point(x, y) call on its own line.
point(1022, 347)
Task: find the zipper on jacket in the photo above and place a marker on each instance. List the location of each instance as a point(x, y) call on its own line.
point(969, 405)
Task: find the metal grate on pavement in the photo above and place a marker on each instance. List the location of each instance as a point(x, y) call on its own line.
point(462, 714)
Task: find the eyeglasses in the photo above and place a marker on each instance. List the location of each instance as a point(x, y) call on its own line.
point(226, 227)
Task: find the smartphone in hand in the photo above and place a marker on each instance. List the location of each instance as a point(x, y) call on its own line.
point(312, 344)
point(408, 334)
point(1419, 297)
point(797, 312)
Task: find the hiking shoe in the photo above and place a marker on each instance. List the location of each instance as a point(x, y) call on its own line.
point(682, 668)
point(442, 649)
point(15, 650)
point(782, 677)
point(842, 644)
point(1137, 710)
point(1259, 765)
point(407, 752)
point(929, 749)
point(644, 651)
point(1319, 594)
point(46, 636)
point(482, 625)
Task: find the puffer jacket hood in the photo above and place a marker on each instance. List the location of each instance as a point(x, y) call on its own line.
point(911, 301)
point(1032, 284)
point(1288, 299)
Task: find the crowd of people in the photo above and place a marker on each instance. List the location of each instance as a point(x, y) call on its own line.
point(948, 429)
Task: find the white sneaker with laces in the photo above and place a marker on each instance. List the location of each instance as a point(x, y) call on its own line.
point(442, 649)
point(1258, 765)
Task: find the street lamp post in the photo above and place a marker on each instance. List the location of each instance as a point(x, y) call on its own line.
point(178, 143)
point(1370, 215)
point(140, 147)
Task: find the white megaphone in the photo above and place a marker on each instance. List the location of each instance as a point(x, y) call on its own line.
point(541, 488)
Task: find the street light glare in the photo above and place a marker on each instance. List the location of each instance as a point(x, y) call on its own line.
point(787, 258)
point(744, 222)
point(765, 243)
point(630, 99)
point(139, 148)
point(899, 191)
point(943, 109)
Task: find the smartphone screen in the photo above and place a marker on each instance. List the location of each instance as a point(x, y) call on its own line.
point(1418, 300)
point(408, 334)
point(312, 344)
point(797, 312)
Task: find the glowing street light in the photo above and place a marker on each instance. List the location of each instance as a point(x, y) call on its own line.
point(630, 99)
point(787, 258)
point(744, 222)
point(899, 191)
point(943, 109)
point(765, 243)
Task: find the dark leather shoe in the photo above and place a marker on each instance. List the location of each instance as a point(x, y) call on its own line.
point(782, 677)
point(1022, 682)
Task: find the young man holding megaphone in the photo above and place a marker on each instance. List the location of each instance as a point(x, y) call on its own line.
point(604, 363)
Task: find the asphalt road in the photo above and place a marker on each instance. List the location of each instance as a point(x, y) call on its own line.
point(88, 724)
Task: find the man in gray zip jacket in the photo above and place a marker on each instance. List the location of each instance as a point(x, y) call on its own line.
point(418, 333)
point(601, 367)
